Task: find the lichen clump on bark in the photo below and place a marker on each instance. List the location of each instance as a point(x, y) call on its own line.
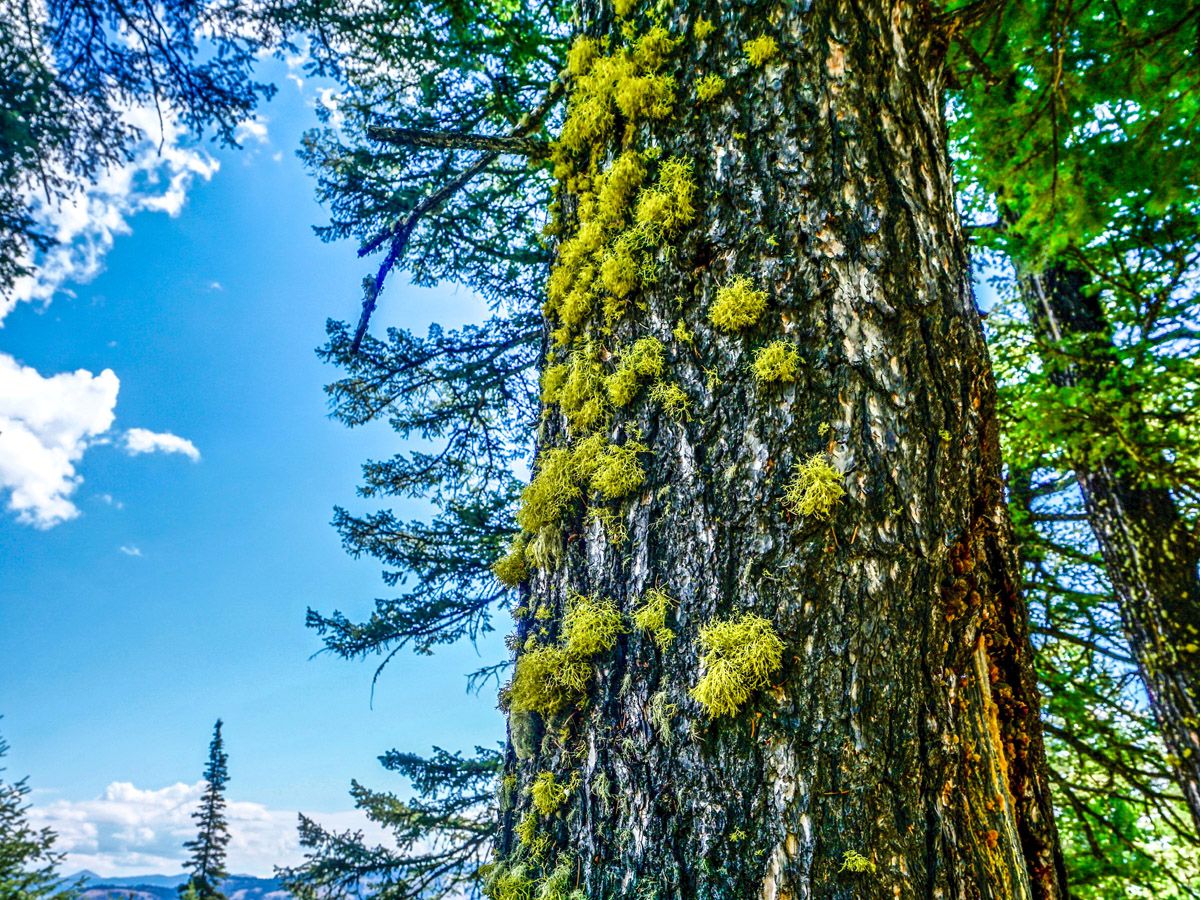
point(853, 861)
point(738, 305)
point(547, 794)
point(590, 626)
point(761, 49)
point(739, 657)
point(815, 487)
point(651, 617)
point(512, 569)
point(709, 87)
point(778, 361)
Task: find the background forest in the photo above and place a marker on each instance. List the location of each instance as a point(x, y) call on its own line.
point(458, 151)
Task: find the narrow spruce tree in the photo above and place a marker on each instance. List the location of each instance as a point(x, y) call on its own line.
point(207, 865)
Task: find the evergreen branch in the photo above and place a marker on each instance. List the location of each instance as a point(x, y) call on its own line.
point(400, 234)
point(452, 140)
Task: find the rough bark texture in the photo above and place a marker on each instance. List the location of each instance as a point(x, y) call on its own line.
point(904, 723)
point(1150, 552)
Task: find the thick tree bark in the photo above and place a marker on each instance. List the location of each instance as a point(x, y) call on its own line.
point(1151, 554)
point(903, 726)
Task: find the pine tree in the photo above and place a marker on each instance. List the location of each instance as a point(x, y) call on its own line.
point(28, 861)
point(207, 863)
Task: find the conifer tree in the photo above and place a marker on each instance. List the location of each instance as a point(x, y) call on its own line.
point(207, 863)
point(28, 861)
point(1079, 134)
point(459, 379)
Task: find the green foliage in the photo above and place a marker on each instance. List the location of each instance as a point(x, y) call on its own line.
point(738, 305)
point(651, 617)
point(70, 73)
point(815, 487)
point(28, 861)
point(1072, 119)
point(1124, 828)
point(442, 835)
point(777, 361)
point(738, 657)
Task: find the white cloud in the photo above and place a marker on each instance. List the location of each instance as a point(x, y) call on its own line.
point(46, 424)
point(140, 440)
point(130, 550)
point(136, 831)
point(252, 130)
point(87, 223)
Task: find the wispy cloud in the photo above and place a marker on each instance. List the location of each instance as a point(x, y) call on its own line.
point(136, 831)
point(46, 425)
point(252, 130)
point(130, 550)
point(137, 441)
point(87, 223)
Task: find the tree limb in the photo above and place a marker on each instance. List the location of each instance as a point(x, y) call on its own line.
point(457, 140)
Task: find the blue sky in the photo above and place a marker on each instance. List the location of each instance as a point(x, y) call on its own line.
point(177, 594)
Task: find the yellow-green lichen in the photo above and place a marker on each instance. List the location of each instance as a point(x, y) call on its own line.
point(546, 680)
point(667, 206)
point(703, 28)
point(554, 488)
point(643, 360)
point(739, 656)
point(815, 487)
point(760, 50)
point(512, 569)
point(557, 885)
point(553, 379)
point(738, 305)
point(502, 881)
point(672, 399)
point(651, 617)
point(618, 472)
point(853, 861)
point(661, 713)
point(582, 397)
point(709, 87)
point(547, 794)
point(526, 829)
point(777, 361)
point(681, 333)
point(590, 626)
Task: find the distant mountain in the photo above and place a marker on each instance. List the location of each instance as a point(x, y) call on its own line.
point(166, 887)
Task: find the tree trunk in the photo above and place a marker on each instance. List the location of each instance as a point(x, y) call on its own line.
point(1150, 553)
point(897, 751)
